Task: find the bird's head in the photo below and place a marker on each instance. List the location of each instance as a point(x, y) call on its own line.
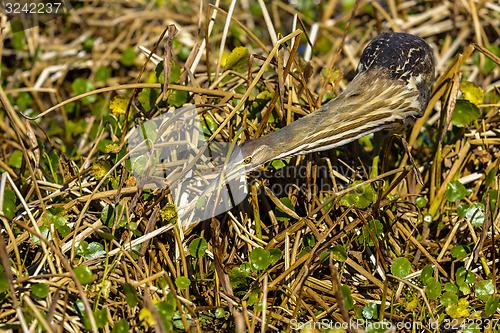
point(405, 57)
point(247, 157)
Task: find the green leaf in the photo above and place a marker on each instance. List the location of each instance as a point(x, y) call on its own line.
point(183, 55)
point(182, 282)
point(491, 306)
point(171, 300)
point(339, 253)
point(16, 26)
point(327, 205)
point(198, 247)
point(9, 203)
point(455, 190)
point(465, 113)
point(259, 103)
point(475, 214)
point(308, 241)
point(464, 288)
point(432, 289)
point(448, 286)
point(101, 317)
point(159, 71)
point(57, 216)
point(45, 232)
point(149, 130)
point(148, 97)
point(493, 198)
point(82, 248)
point(76, 128)
point(145, 317)
point(255, 9)
point(94, 250)
point(459, 251)
point(238, 276)
point(24, 101)
point(484, 289)
point(463, 278)
point(461, 309)
point(4, 282)
point(80, 307)
point(200, 203)
point(208, 124)
point(260, 258)
point(16, 159)
point(370, 311)
point(52, 159)
point(100, 168)
point(278, 164)
point(64, 230)
point(238, 57)
point(220, 313)
point(81, 86)
point(324, 45)
point(88, 44)
point(83, 274)
point(177, 321)
point(426, 273)
point(18, 43)
point(471, 92)
point(108, 215)
point(448, 298)
point(280, 215)
point(130, 294)
point(376, 229)
point(489, 65)
point(461, 209)
point(348, 4)
point(401, 267)
point(490, 177)
point(162, 283)
point(175, 72)
point(166, 313)
point(128, 56)
point(421, 202)
point(165, 309)
point(275, 255)
point(40, 290)
point(103, 74)
point(347, 297)
point(105, 288)
point(362, 197)
point(253, 296)
point(121, 327)
point(178, 98)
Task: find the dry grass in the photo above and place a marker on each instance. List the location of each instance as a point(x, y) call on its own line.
point(49, 170)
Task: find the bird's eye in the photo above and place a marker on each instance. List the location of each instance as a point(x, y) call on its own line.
point(247, 160)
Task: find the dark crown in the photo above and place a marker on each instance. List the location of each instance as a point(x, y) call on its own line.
point(404, 55)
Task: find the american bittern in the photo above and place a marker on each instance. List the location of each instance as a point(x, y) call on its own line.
point(391, 89)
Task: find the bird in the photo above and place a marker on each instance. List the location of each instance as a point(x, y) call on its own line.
point(391, 89)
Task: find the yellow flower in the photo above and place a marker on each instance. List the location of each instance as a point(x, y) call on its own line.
point(118, 105)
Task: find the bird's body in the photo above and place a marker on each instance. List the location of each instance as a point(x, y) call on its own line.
point(391, 89)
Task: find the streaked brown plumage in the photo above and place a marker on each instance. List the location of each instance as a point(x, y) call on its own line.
point(391, 89)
